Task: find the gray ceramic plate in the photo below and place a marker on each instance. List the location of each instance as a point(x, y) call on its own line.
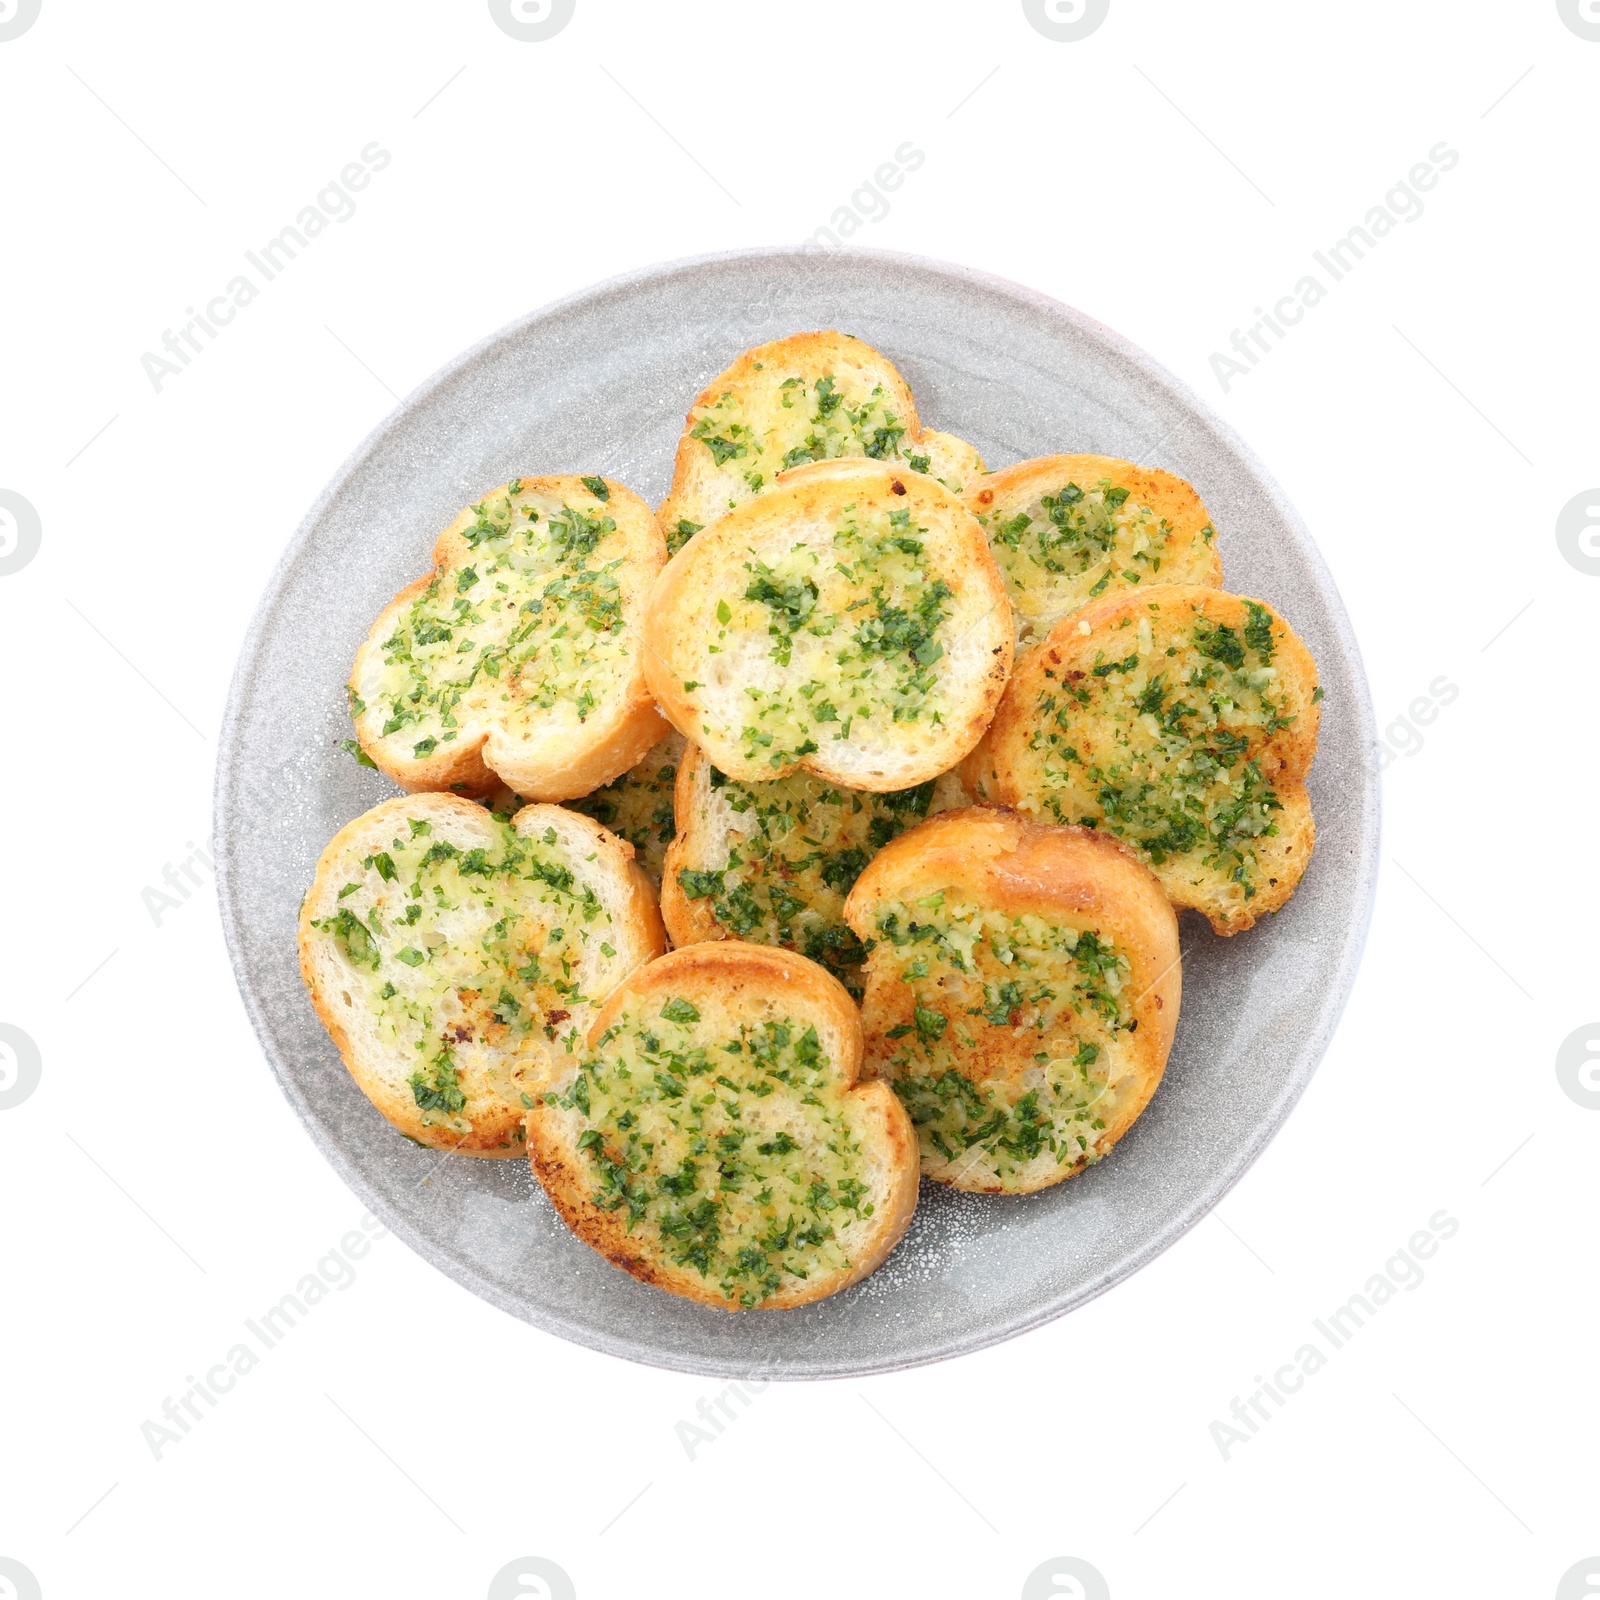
point(600, 383)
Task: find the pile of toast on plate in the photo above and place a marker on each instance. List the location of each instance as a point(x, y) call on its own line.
point(825, 827)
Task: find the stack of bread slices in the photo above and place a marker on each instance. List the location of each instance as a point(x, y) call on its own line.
point(824, 828)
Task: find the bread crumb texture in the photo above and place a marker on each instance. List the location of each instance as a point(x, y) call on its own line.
point(1022, 989)
point(809, 397)
point(1067, 529)
point(522, 644)
point(772, 862)
point(1180, 720)
point(713, 1139)
point(852, 621)
point(638, 805)
point(456, 957)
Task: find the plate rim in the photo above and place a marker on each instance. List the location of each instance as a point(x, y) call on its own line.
point(607, 1341)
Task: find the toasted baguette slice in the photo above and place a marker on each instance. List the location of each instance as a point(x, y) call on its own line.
point(517, 659)
point(638, 805)
point(954, 462)
point(809, 397)
point(1066, 529)
point(1182, 720)
point(715, 1142)
point(456, 957)
point(850, 621)
point(1022, 993)
point(771, 863)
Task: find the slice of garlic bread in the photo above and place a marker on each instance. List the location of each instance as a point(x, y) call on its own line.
point(714, 1139)
point(455, 957)
point(808, 397)
point(1183, 721)
point(771, 863)
point(954, 462)
point(638, 805)
point(1067, 529)
point(517, 659)
point(1022, 993)
point(850, 621)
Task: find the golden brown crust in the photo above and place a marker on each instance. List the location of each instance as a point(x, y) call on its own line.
point(793, 839)
point(1000, 861)
point(954, 462)
point(458, 768)
point(484, 755)
point(639, 805)
point(681, 621)
point(750, 982)
point(698, 491)
point(774, 977)
point(687, 921)
point(1187, 551)
point(1008, 768)
point(493, 1084)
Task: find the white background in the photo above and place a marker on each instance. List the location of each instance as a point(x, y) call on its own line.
point(1167, 175)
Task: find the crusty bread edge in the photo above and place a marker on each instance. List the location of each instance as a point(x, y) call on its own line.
point(567, 1183)
point(432, 1138)
point(1008, 858)
point(476, 764)
point(639, 917)
point(687, 921)
point(798, 346)
point(746, 524)
point(1294, 748)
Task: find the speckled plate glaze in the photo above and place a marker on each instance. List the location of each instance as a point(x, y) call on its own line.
point(600, 383)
